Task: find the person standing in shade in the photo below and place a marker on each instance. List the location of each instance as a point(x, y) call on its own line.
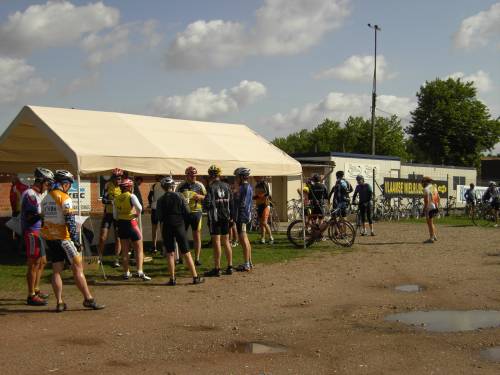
point(365, 193)
point(155, 193)
point(31, 224)
point(217, 204)
point(173, 211)
point(431, 204)
point(262, 199)
point(243, 215)
point(138, 180)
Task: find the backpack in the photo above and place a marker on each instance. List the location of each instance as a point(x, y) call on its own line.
point(349, 187)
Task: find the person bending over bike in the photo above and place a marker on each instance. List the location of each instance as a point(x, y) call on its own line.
point(63, 241)
point(173, 213)
point(492, 194)
point(126, 210)
point(365, 193)
point(243, 214)
point(31, 223)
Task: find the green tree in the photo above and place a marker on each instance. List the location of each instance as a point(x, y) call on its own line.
point(450, 125)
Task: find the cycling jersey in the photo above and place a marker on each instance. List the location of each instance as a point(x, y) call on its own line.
point(110, 192)
point(172, 208)
point(243, 203)
point(340, 191)
point(470, 196)
point(365, 193)
point(318, 193)
point(31, 210)
point(189, 191)
point(58, 218)
point(217, 201)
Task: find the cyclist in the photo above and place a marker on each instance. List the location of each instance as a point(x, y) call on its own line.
point(217, 204)
point(243, 214)
point(318, 195)
point(111, 190)
point(60, 233)
point(262, 199)
point(431, 204)
point(31, 223)
point(126, 210)
point(365, 192)
point(470, 199)
point(194, 192)
point(173, 210)
point(155, 193)
point(340, 193)
point(493, 195)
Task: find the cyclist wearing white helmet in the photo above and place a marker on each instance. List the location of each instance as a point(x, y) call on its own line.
point(111, 190)
point(31, 224)
point(60, 233)
point(243, 214)
point(492, 194)
point(217, 204)
point(194, 192)
point(172, 212)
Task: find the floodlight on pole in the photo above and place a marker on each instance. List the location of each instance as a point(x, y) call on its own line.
point(374, 91)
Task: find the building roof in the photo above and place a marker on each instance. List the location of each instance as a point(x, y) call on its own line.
point(437, 166)
point(343, 155)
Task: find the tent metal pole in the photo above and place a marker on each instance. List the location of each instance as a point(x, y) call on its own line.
point(303, 209)
point(79, 203)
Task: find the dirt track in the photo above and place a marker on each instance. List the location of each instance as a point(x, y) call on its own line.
point(328, 310)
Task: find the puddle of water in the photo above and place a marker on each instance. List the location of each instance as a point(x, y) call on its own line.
point(257, 348)
point(449, 321)
point(409, 288)
point(491, 354)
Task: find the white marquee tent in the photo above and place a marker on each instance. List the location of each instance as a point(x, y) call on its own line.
point(92, 142)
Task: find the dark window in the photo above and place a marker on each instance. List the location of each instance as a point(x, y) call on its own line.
point(458, 180)
point(414, 176)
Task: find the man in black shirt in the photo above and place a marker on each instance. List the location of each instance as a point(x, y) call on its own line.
point(364, 191)
point(217, 204)
point(172, 212)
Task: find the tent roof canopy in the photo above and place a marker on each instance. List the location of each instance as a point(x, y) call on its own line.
point(93, 142)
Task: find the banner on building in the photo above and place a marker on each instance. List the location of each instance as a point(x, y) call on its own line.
point(85, 196)
point(478, 191)
point(354, 169)
point(406, 188)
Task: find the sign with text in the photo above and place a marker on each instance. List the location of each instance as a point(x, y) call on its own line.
point(478, 192)
point(406, 188)
point(354, 169)
point(85, 196)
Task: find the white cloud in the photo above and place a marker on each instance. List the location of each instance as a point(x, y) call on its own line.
point(339, 106)
point(107, 47)
point(481, 79)
point(282, 27)
point(480, 29)
point(18, 80)
point(203, 104)
point(54, 24)
point(357, 68)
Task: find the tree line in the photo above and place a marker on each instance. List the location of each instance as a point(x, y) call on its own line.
point(450, 125)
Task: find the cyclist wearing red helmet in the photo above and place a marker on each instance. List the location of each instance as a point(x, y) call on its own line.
point(111, 190)
point(194, 192)
point(126, 210)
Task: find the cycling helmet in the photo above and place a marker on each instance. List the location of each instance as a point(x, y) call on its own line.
point(339, 174)
point(62, 175)
point(191, 170)
point(316, 177)
point(126, 184)
point(167, 182)
point(242, 171)
point(214, 171)
point(44, 174)
point(359, 178)
point(117, 172)
point(493, 183)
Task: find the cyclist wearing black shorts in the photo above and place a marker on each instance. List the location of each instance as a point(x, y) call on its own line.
point(217, 204)
point(340, 192)
point(493, 195)
point(172, 211)
point(365, 193)
point(318, 195)
point(243, 214)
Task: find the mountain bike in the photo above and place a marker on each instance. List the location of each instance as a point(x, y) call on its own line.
point(340, 232)
point(483, 214)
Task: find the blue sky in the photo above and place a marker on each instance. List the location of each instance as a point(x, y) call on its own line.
point(275, 65)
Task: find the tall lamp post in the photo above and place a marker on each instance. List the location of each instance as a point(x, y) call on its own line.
point(374, 92)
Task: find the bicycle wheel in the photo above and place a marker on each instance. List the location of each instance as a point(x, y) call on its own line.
point(295, 234)
point(342, 233)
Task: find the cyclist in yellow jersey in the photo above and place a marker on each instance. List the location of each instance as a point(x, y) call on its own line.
point(194, 192)
point(111, 190)
point(60, 233)
point(126, 210)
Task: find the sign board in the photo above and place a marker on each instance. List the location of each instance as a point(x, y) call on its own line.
point(461, 189)
point(85, 196)
point(406, 188)
point(354, 169)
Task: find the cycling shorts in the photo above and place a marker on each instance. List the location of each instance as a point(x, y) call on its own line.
point(316, 210)
point(108, 221)
point(241, 227)
point(154, 217)
point(172, 233)
point(263, 211)
point(220, 227)
point(61, 250)
point(342, 206)
point(431, 213)
point(35, 247)
point(194, 221)
point(129, 230)
point(495, 204)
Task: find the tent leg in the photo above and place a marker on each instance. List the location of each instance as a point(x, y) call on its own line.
point(303, 209)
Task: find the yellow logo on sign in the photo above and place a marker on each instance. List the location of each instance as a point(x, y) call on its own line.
point(442, 189)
